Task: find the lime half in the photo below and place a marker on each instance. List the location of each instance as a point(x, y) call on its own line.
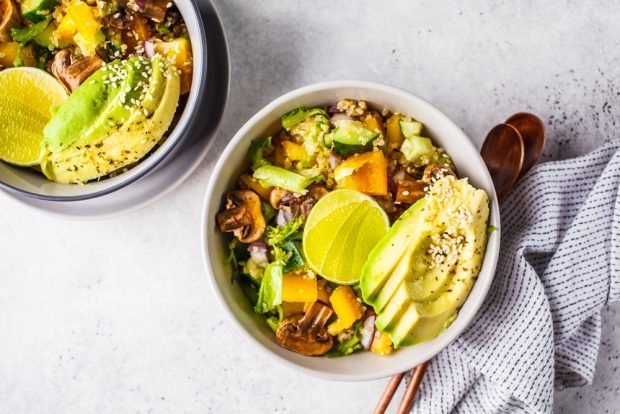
point(27, 97)
point(341, 230)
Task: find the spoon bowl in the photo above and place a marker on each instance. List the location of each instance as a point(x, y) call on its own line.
point(532, 130)
point(503, 152)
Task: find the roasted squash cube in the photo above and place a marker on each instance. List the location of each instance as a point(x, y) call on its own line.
point(299, 287)
point(365, 172)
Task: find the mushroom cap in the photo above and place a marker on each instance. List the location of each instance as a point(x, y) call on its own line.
point(434, 172)
point(306, 334)
point(9, 19)
point(243, 216)
point(295, 204)
point(72, 70)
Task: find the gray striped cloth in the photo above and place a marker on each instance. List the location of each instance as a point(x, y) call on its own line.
point(540, 326)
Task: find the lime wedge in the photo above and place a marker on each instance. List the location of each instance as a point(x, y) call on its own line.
point(341, 230)
point(26, 102)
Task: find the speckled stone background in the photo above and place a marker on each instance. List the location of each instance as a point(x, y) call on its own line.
point(117, 316)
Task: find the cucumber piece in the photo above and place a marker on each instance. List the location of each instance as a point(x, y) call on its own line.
point(37, 10)
point(350, 132)
point(44, 39)
point(416, 148)
point(410, 128)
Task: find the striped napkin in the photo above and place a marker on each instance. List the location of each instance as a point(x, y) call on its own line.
point(540, 326)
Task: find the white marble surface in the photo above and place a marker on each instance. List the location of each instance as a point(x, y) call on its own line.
point(117, 316)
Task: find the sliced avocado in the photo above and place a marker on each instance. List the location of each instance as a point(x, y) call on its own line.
point(133, 80)
point(76, 115)
point(408, 323)
point(419, 275)
point(387, 254)
point(410, 128)
point(413, 258)
point(299, 115)
point(390, 316)
point(37, 10)
point(123, 145)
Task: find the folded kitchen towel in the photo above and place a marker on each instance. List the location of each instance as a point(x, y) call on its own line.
point(540, 325)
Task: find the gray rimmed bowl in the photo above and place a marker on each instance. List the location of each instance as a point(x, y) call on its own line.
point(27, 182)
point(234, 160)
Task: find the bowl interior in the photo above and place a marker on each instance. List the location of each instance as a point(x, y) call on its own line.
point(33, 184)
point(360, 366)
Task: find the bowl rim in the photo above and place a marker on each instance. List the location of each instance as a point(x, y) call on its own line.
point(179, 130)
point(444, 339)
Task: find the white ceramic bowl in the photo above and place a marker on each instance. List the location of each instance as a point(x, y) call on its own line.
point(234, 160)
point(24, 181)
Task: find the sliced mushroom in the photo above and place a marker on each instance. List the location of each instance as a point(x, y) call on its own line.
point(279, 197)
point(317, 191)
point(434, 172)
point(118, 20)
point(296, 205)
point(243, 216)
point(410, 191)
point(9, 19)
point(72, 70)
point(306, 333)
point(153, 9)
point(386, 203)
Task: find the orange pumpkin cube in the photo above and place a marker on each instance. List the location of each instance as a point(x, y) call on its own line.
point(365, 172)
point(395, 136)
point(374, 123)
point(298, 287)
point(292, 308)
point(293, 151)
point(254, 185)
point(381, 344)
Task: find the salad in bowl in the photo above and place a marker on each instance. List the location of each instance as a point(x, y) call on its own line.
point(91, 88)
point(352, 231)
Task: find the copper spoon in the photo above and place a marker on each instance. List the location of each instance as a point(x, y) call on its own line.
point(509, 151)
point(532, 130)
point(503, 152)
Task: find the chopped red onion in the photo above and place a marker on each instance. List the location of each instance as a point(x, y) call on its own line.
point(332, 109)
point(339, 116)
point(149, 48)
point(258, 252)
point(141, 4)
point(399, 175)
point(368, 332)
point(334, 160)
point(283, 217)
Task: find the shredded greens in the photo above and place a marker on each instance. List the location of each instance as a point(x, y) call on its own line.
point(257, 154)
point(270, 293)
point(348, 346)
point(268, 211)
point(490, 230)
point(295, 259)
point(277, 235)
point(26, 34)
point(297, 116)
